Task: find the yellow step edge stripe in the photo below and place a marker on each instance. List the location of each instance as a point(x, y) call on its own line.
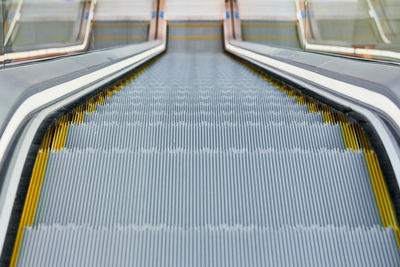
point(384, 203)
point(194, 37)
point(346, 136)
point(32, 197)
point(351, 138)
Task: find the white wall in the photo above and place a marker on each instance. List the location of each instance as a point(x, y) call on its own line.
point(285, 9)
point(214, 9)
point(267, 9)
point(339, 9)
point(50, 10)
point(123, 10)
point(194, 9)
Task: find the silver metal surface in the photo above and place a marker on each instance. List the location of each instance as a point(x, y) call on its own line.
point(209, 246)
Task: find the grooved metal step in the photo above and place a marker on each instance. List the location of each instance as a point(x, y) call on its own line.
point(192, 188)
point(209, 246)
point(202, 117)
point(200, 162)
point(198, 135)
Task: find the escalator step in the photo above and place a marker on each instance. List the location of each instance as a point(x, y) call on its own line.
point(192, 135)
point(209, 246)
point(152, 116)
point(207, 187)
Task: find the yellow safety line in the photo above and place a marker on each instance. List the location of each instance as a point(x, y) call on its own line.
point(355, 139)
point(32, 197)
point(384, 203)
point(194, 37)
point(120, 25)
point(195, 25)
point(106, 38)
point(269, 25)
point(269, 38)
point(55, 139)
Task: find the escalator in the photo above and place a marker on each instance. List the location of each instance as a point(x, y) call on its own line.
point(198, 159)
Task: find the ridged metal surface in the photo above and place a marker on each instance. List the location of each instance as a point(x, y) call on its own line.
point(201, 162)
point(151, 116)
point(198, 135)
point(209, 246)
point(179, 171)
point(208, 187)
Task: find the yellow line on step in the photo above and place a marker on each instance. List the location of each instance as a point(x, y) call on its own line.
point(384, 202)
point(32, 197)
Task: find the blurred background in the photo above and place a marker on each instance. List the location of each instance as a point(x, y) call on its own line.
point(33, 29)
